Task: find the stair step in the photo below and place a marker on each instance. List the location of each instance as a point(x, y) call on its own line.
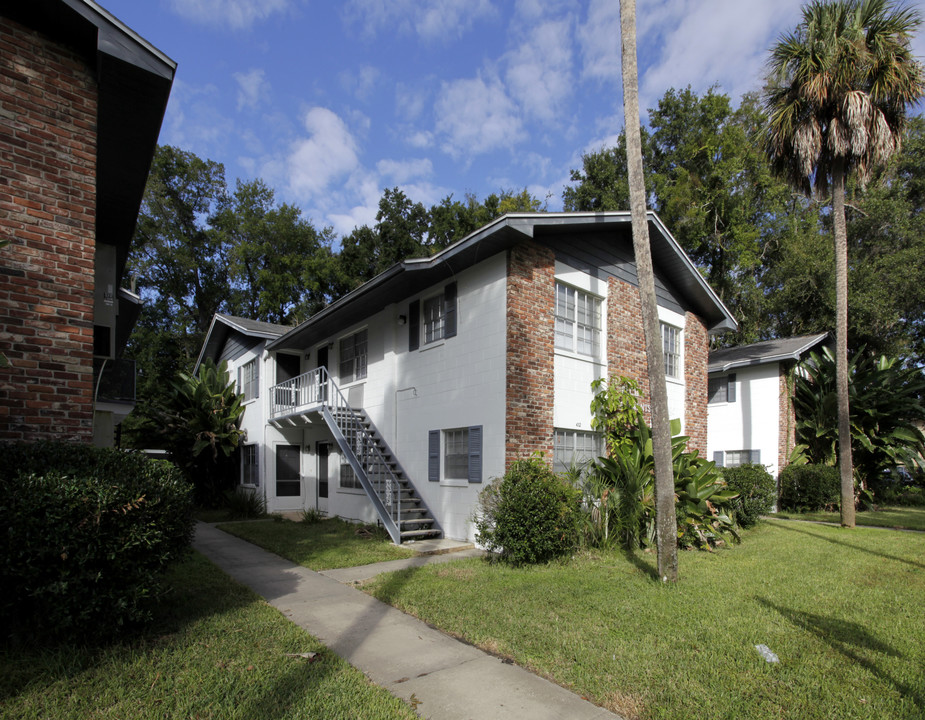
point(413, 534)
point(417, 521)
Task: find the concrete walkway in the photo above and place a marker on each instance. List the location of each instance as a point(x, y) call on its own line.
point(449, 680)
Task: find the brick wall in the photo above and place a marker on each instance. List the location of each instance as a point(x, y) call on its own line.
point(531, 283)
point(48, 111)
point(696, 352)
point(626, 340)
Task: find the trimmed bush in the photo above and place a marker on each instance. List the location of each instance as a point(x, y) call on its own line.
point(757, 492)
point(809, 488)
point(88, 533)
point(530, 515)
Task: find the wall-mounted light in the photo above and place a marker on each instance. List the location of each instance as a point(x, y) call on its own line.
point(402, 319)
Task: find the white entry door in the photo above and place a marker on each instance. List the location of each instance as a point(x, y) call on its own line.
point(289, 491)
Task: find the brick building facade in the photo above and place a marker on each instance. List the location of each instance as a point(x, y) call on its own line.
point(75, 146)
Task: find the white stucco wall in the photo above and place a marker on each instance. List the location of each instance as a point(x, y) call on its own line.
point(752, 422)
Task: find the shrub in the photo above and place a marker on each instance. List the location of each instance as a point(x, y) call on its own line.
point(530, 515)
point(809, 487)
point(88, 533)
point(245, 504)
point(757, 492)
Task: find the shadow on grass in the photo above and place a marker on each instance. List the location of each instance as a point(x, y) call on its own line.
point(851, 640)
point(647, 568)
point(789, 526)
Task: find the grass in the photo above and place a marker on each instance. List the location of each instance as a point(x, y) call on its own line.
point(909, 518)
point(843, 609)
point(215, 651)
point(325, 545)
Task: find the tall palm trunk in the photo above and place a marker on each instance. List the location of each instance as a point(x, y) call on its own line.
point(845, 464)
point(666, 527)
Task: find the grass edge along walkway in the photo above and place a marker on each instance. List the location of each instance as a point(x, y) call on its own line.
point(843, 610)
point(216, 650)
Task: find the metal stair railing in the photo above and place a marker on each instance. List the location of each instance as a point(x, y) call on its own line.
point(315, 391)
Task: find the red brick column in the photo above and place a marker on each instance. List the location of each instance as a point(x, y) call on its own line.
point(531, 296)
point(48, 113)
point(696, 355)
point(626, 341)
point(787, 430)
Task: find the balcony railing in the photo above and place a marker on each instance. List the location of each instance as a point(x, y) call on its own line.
point(114, 380)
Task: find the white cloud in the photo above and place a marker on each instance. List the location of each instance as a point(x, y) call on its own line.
point(724, 42)
point(362, 83)
point(252, 88)
point(235, 14)
point(599, 38)
point(401, 171)
point(194, 121)
point(421, 139)
point(476, 117)
point(539, 73)
point(328, 154)
point(430, 19)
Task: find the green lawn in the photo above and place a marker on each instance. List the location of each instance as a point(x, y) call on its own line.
point(910, 518)
point(325, 545)
point(843, 609)
point(216, 651)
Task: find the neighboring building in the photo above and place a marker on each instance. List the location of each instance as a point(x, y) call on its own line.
point(751, 416)
point(427, 381)
point(81, 102)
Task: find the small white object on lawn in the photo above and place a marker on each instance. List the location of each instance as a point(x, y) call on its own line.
point(766, 653)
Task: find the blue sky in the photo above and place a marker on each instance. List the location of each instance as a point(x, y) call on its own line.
point(332, 101)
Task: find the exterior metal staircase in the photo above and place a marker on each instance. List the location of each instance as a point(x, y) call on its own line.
point(398, 504)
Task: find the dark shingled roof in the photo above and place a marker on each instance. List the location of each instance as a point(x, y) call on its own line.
point(763, 352)
point(223, 325)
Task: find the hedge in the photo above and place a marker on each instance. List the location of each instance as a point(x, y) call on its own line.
point(88, 534)
point(809, 488)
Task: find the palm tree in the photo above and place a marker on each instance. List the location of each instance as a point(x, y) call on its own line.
point(666, 526)
point(837, 94)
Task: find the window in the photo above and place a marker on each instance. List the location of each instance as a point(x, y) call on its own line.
point(578, 321)
point(734, 458)
point(575, 446)
point(439, 318)
point(353, 354)
point(461, 457)
point(456, 454)
point(249, 380)
point(433, 319)
point(288, 471)
point(348, 478)
point(250, 471)
point(722, 389)
point(671, 347)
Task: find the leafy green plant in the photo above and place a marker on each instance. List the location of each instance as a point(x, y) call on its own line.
point(200, 426)
point(528, 516)
point(87, 536)
point(756, 489)
point(886, 413)
point(312, 516)
point(809, 487)
point(245, 504)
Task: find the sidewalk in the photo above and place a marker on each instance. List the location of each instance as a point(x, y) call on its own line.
point(449, 679)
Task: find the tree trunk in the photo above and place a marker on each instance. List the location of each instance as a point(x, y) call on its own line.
point(665, 521)
point(845, 464)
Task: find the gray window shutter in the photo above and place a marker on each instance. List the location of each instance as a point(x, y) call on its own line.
point(414, 325)
point(731, 388)
point(449, 310)
point(475, 454)
point(754, 456)
point(433, 456)
point(718, 458)
point(257, 377)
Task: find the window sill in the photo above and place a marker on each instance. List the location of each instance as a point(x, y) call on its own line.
point(454, 482)
point(352, 383)
point(578, 356)
point(432, 345)
point(351, 491)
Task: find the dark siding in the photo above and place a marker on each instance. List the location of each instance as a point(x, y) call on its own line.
point(236, 345)
point(606, 255)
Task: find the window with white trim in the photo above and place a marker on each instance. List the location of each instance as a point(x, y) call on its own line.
point(455, 455)
point(348, 478)
point(433, 308)
point(578, 321)
point(250, 469)
point(575, 447)
point(671, 347)
point(353, 356)
point(249, 380)
point(734, 458)
point(721, 389)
